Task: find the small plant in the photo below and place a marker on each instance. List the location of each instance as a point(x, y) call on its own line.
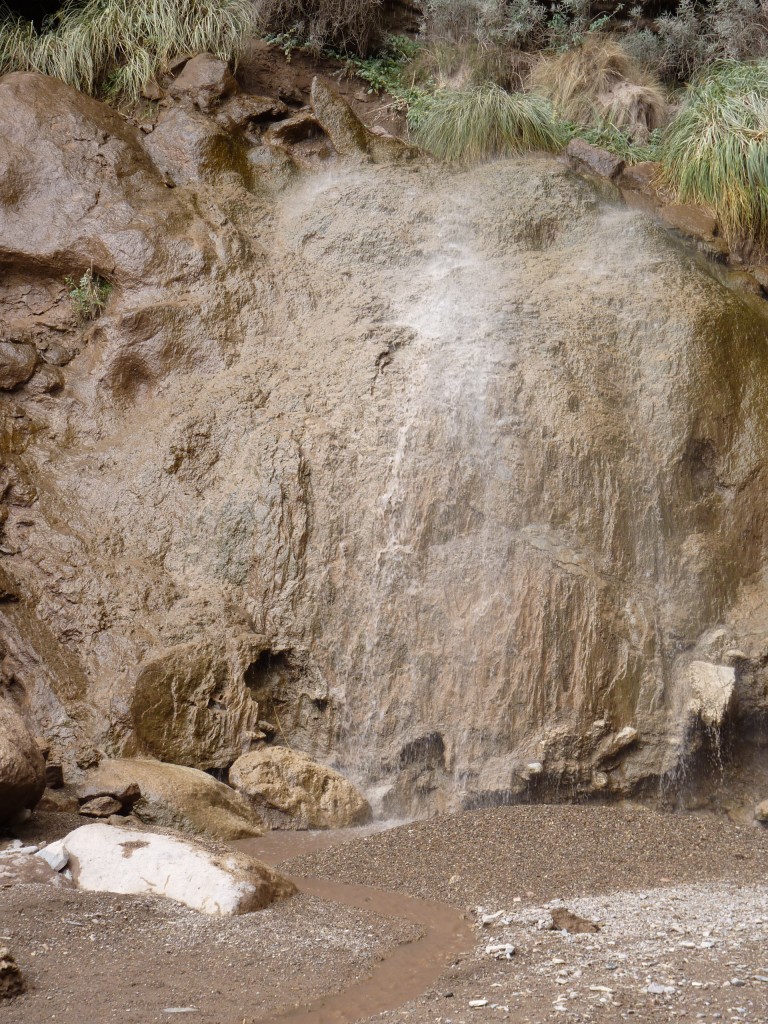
point(715, 152)
point(89, 295)
point(620, 142)
point(483, 122)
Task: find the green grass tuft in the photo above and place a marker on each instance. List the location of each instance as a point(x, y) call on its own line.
point(715, 152)
point(123, 42)
point(486, 121)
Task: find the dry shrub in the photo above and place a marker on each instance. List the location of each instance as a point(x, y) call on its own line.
point(348, 24)
point(598, 82)
point(462, 65)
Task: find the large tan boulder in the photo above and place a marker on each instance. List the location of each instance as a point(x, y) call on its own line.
point(293, 791)
point(174, 796)
point(22, 766)
point(189, 708)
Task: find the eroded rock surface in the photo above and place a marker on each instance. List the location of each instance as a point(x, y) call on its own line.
point(291, 790)
point(449, 476)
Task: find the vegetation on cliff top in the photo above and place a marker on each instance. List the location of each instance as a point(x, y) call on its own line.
point(485, 121)
point(119, 45)
point(715, 151)
point(484, 77)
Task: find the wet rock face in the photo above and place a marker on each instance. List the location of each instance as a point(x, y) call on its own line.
point(449, 478)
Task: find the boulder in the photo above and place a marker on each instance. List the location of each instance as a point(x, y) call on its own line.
point(22, 766)
point(178, 797)
point(103, 858)
point(187, 147)
point(188, 707)
point(242, 111)
point(17, 364)
point(292, 790)
point(691, 221)
point(205, 82)
point(584, 157)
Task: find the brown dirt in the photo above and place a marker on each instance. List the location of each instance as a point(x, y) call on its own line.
point(266, 71)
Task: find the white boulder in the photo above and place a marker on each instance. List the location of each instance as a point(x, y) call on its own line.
point(105, 858)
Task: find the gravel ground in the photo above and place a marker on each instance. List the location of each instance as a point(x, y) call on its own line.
point(544, 852)
point(681, 903)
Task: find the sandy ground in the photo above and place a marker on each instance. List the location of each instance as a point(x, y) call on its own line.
point(681, 901)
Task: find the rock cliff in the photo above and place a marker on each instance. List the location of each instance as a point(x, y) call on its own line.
point(454, 480)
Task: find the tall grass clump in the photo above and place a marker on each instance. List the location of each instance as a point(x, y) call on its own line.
point(599, 83)
point(485, 121)
point(715, 152)
point(123, 43)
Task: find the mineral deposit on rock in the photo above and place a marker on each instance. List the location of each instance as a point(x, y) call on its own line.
point(104, 858)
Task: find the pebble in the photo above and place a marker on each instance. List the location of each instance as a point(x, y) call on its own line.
point(477, 1003)
point(502, 950)
point(655, 989)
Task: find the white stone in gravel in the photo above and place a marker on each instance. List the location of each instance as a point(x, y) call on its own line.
point(502, 950)
point(654, 989)
point(54, 855)
point(477, 1003)
point(105, 858)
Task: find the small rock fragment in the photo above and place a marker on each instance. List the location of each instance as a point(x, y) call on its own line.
point(11, 979)
point(654, 989)
point(55, 855)
point(101, 807)
point(564, 921)
point(477, 1003)
point(501, 950)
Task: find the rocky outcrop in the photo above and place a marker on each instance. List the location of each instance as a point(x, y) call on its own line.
point(22, 766)
point(173, 796)
point(103, 858)
point(447, 489)
point(291, 790)
point(350, 137)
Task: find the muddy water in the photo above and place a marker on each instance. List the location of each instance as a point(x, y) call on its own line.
point(408, 972)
